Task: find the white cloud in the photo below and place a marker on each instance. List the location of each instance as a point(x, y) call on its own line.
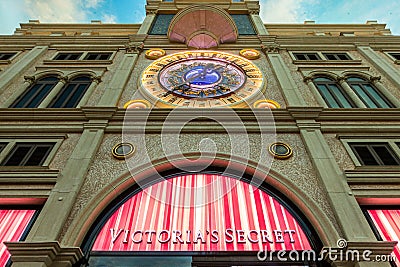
point(55, 10)
point(287, 11)
point(109, 18)
point(91, 3)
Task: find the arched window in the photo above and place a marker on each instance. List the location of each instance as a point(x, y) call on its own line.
point(332, 93)
point(71, 93)
point(368, 94)
point(35, 94)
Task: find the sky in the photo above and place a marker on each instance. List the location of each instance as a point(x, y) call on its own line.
point(13, 12)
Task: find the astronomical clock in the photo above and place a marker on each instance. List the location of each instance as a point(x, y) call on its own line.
point(201, 79)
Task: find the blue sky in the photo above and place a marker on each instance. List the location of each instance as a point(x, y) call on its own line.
point(12, 12)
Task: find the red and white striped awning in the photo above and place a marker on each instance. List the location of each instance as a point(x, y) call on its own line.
point(388, 224)
point(12, 225)
point(202, 212)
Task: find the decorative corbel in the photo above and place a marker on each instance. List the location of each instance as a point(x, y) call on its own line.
point(134, 47)
point(30, 79)
point(270, 48)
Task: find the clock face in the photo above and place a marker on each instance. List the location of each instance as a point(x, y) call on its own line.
point(201, 79)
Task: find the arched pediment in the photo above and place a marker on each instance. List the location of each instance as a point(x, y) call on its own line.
point(202, 27)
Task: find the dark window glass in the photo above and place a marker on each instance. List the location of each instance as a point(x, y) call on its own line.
point(243, 24)
point(68, 56)
point(306, 56)
point(6, 56)
point(336, 56)
point(28, 154)
point(371, 97)
point(395, 55)
point(71, 93)
point(161, 24)
point(332, 93)
point(34, 95)
point(97, 56)
point(374, 154)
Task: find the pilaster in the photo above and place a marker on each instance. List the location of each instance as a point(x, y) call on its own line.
point(381, 64)
point(122, 73)
point(50, 222)
point(346, 209)
point(20, 66)
point(286, 82)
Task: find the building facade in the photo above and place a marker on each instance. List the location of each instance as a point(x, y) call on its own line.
point(201, 137)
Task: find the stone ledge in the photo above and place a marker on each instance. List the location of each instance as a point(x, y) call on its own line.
point(46, 252)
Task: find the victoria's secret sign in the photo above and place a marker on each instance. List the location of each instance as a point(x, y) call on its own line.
point(212, 236)
point(243, 218)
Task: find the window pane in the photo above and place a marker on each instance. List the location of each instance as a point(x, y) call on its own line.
point(330, 101)
point(330, 56)
point(363, 96)
point(63, 96)
point(2, 146)
point(38, 156)
point(343, 56)
point(385, 155)
point(354, 79)
point(161, 24)
point(365, 156)
point(339, 95)
point(17, 155)
point(40, 96)
point(313, 56)
point(377, 97)
point(300, 57)
point(321, 79)
point(6, 56)
point(76, 96)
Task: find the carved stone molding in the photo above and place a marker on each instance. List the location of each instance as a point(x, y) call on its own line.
point(254, 11)
point(375, 79)
point(270, 48)
point(96, 79)
point(134, 47)
point(49, 253)
point(64, 79)
point(30, 79)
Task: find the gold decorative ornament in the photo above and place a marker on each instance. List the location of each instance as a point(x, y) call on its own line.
point(155, 53)
point(137, 104)
point(280, 150)
point(123, 150)
point(266, 103)
point(250, 54)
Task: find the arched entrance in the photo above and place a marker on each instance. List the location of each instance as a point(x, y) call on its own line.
point(199, 220)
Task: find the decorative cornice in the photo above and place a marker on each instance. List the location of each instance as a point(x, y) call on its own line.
point(254, 11)
point(374, 79)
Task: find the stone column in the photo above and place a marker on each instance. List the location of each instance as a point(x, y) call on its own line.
point(386, 68)
point(258, 23)
point(309, 81)
point(54, 214)
point(147, 22)
point(350, 92)
point(286, 82)
point(20, 66)
point(95, 81)
point(121, 76)
point(54, 92)
point(376, 81)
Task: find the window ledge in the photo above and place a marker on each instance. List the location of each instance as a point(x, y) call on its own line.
point(77, 62)
point(373, 174)
point(17, 174)
point(325, 62)
point(8, 61)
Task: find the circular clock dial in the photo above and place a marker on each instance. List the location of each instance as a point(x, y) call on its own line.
point(201, 79)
